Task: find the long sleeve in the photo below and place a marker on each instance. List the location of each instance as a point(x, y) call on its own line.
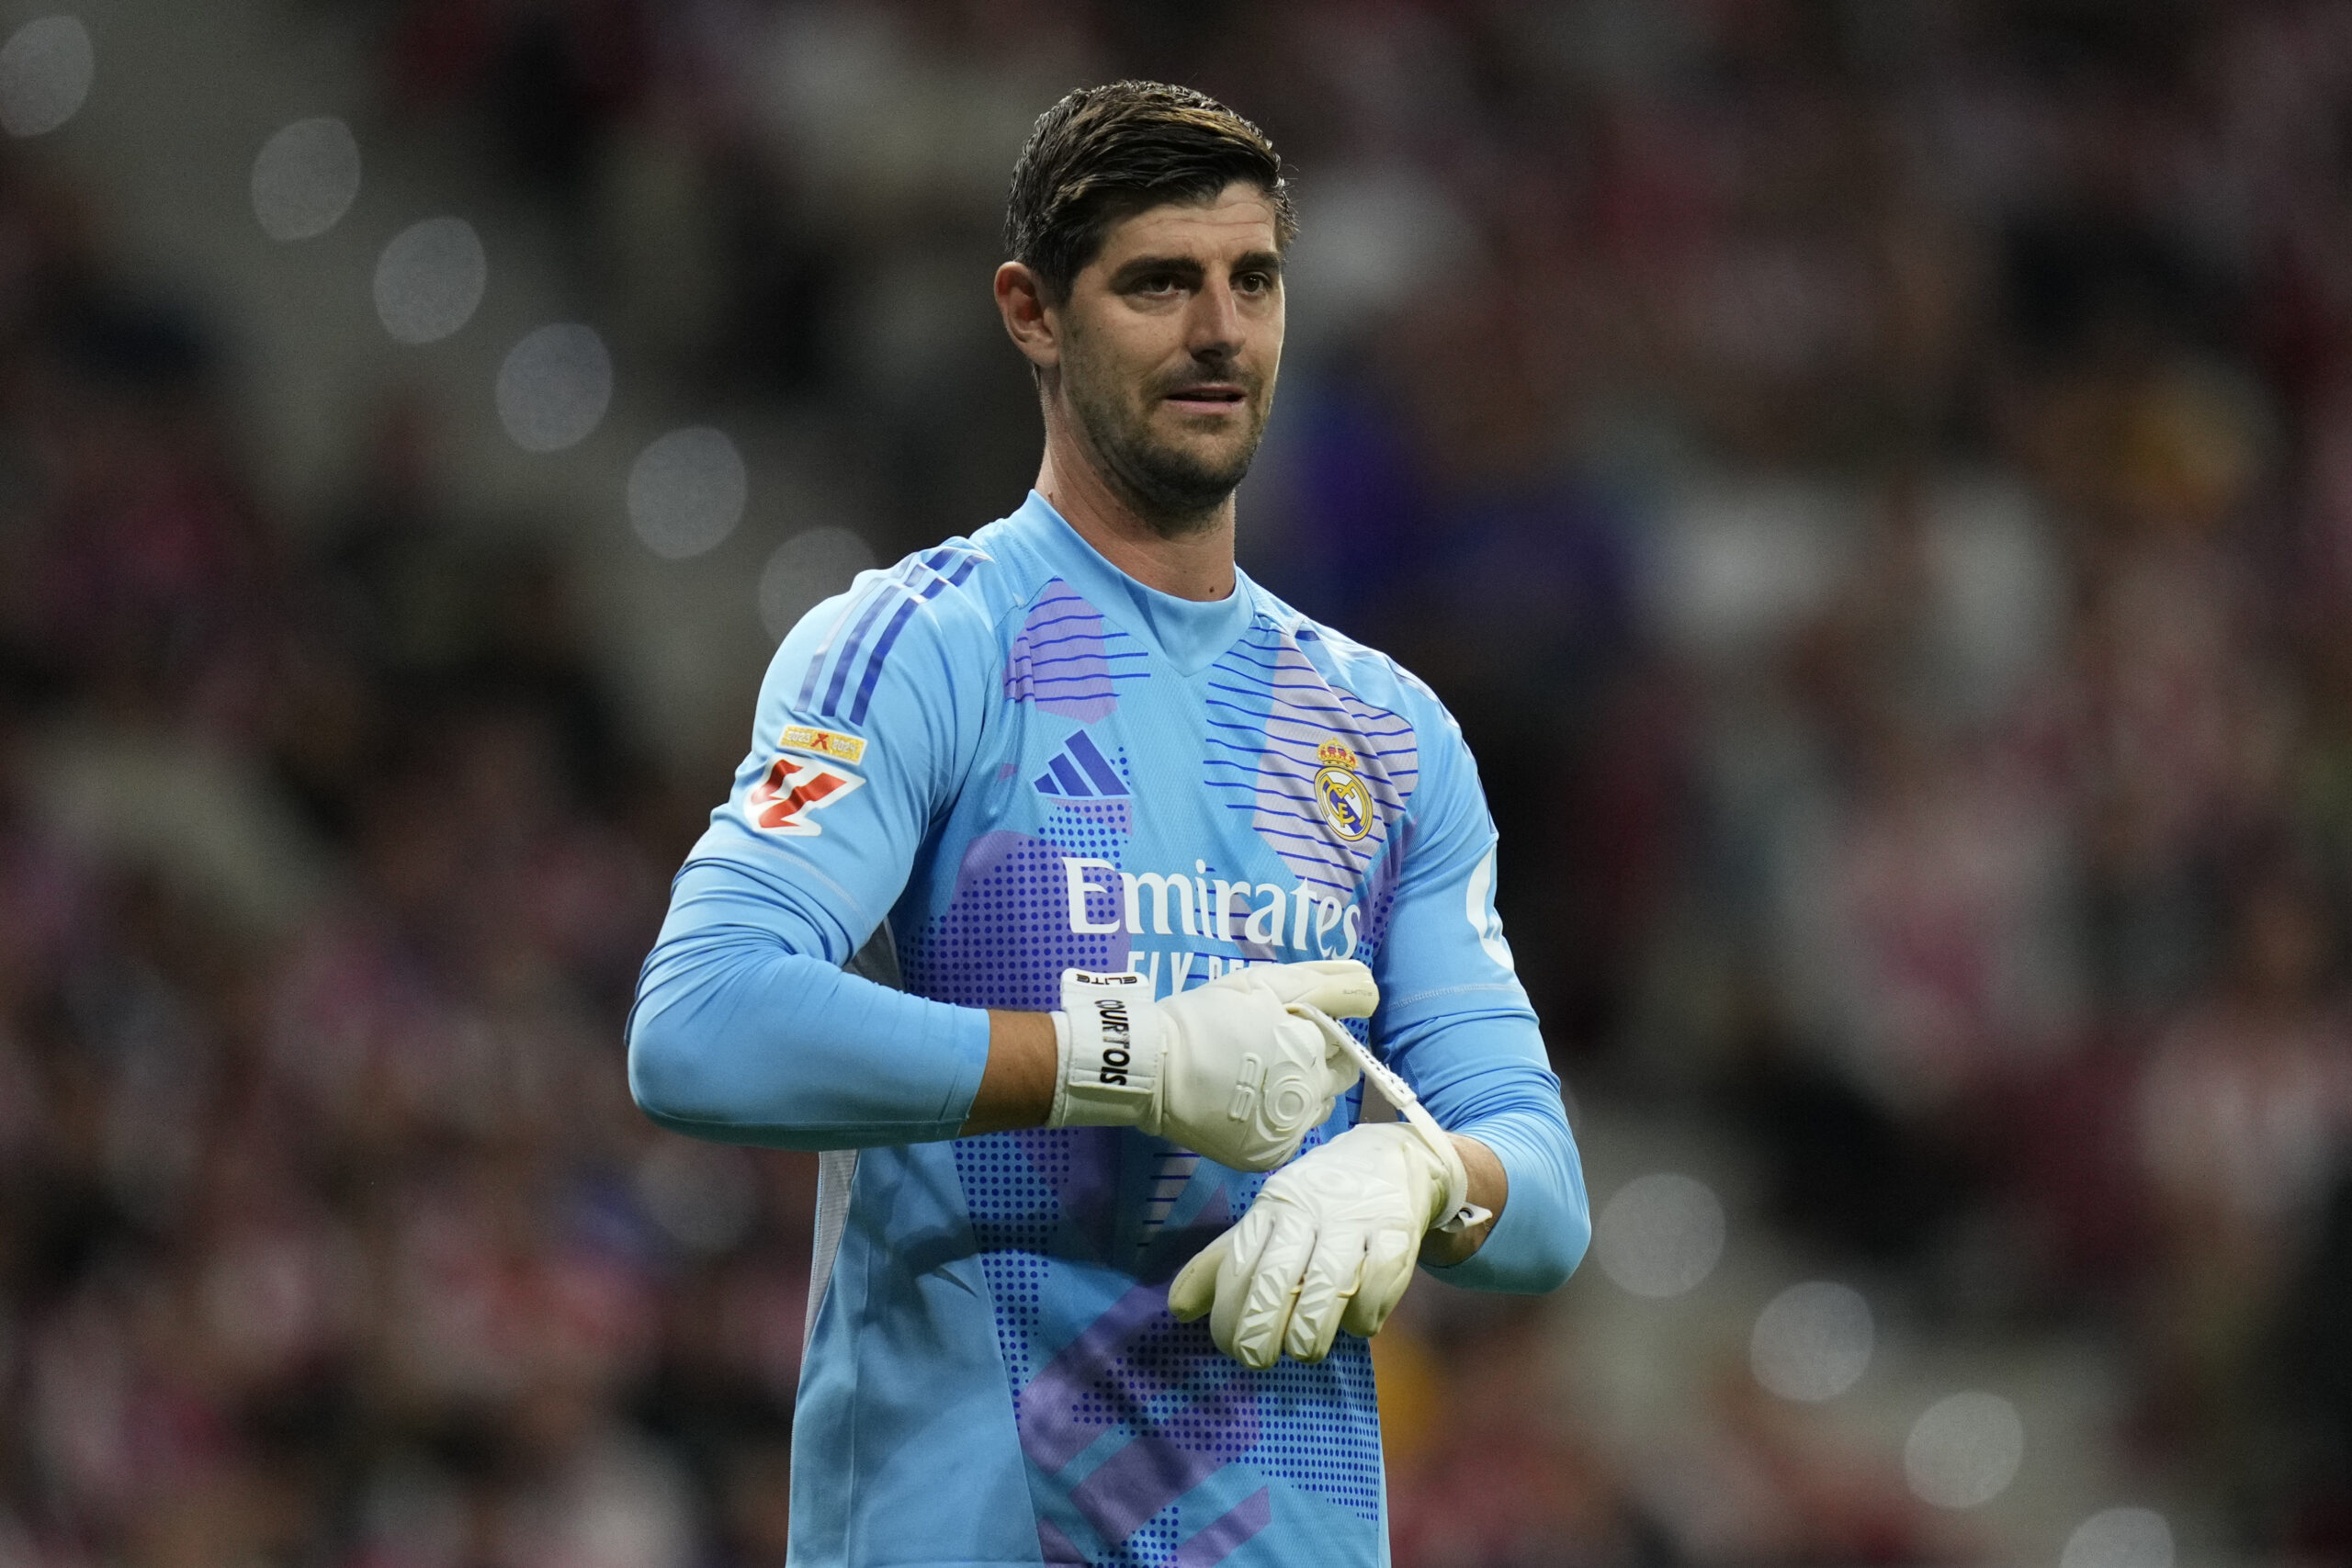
point(1513, 1107)
point(745, 1028)
point(746, 1032)
point(1455, 1021)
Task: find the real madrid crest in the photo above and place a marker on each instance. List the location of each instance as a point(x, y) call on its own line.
point(1347, 804)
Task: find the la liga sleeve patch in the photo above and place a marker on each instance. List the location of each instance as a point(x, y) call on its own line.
point(792, 788)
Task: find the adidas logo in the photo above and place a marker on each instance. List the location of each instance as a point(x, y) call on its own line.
point(1079, 772)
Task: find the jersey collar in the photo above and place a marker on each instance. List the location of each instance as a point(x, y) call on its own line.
point(1188, 633)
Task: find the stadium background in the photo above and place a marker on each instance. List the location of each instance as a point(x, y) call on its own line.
point(1873, 478)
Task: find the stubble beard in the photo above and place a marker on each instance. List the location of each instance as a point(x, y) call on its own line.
point(1176, 492)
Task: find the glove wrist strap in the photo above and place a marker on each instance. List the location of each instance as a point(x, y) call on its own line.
point(1108, 1034)
point(1459, 1214)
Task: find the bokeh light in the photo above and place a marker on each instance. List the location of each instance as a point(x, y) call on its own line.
point(46, 68)
point(1660, 1235)
point(2119, 1537)
point(430, 279)
point(686, 492)
point(807, 570)
point(554, 387)
point(1812, 1341)
point(1964, 1450)
point(305, 178)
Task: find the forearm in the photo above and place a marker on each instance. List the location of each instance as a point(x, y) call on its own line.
point(1539, 1234)
point(1017, 1086)
point(1482, 1076)
point(1490, 1189)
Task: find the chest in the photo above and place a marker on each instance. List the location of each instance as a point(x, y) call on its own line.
point(1129, 817)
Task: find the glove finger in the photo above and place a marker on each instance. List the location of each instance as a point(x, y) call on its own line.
point(1244, 1244)
point(1342, 987)
point(1262, 1306)
point(1193, 1291)
point(1324, 1290)
point(1387, 1270)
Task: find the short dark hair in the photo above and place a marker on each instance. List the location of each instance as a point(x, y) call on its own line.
point(1104, 153)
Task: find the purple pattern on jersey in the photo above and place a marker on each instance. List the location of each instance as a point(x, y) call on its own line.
point(1137, 1366)
point(1170, 1411)
point(1225, 1535)
point(1056, 1547)
point(1061, 659)
point(1136, 1370)
point(1004, 939)
point(1122, 1413)
point(1168, 1408)
point(1302, 711)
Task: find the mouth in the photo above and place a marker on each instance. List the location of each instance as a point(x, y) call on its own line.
point(1209, 397)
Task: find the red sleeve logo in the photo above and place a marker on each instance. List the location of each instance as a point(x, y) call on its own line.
point(794, 787)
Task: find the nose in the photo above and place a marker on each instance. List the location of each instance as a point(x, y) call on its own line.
point(1213, 327)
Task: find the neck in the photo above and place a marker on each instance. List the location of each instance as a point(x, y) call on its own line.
point(1194, 564)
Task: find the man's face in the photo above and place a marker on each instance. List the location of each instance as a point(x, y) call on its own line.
point(1170, 341)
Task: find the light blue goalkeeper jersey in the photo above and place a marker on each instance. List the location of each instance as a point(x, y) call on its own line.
point(1012, 759)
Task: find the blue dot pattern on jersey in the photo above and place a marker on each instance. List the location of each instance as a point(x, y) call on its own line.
point(1003, 941)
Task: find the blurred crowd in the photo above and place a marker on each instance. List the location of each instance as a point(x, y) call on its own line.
point(329, 1232)
point(1875, 480)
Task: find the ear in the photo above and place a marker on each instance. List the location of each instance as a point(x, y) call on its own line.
point(1028, 321)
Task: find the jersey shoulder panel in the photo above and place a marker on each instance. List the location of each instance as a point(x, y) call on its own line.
point(1361, 671)
point(948, 599)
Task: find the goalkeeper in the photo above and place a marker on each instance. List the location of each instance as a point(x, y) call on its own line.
point(1068, 873)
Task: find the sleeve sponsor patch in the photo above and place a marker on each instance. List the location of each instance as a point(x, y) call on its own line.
point(830, 743)
point(792, 788)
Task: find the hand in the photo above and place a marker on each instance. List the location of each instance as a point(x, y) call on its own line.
point(1330, 1244)
point(1234, 1069)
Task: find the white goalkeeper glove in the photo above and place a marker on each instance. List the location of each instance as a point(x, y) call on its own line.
point(1330, 1244)
point(1331, 1241)
point(1240, 1069)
